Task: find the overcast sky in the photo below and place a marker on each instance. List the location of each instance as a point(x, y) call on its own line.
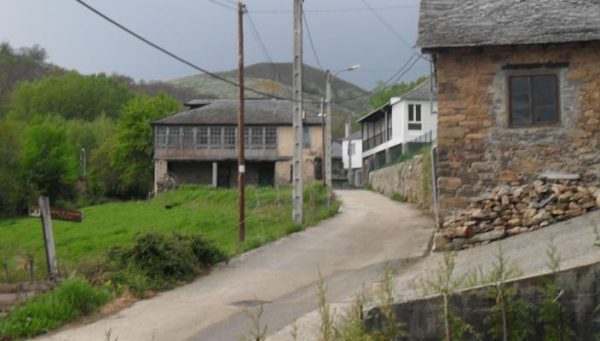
point(344, 33)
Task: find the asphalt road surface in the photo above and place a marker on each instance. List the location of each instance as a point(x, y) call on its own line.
point(348, 250)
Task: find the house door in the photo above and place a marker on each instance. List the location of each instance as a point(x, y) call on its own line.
point(224, 175)
point(266, 174)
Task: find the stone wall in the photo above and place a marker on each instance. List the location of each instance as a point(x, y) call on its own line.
point(479, 151)
point(410, 179)
point(423, 317)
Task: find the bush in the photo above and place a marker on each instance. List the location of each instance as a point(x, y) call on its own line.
point(71, 299)
point(157, 261)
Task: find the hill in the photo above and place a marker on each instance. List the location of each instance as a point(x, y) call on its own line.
point(276, 79)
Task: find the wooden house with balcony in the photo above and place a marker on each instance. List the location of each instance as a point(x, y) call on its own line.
point(199, 145)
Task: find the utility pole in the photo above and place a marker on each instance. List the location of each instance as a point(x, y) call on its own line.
point(328, 99)
point(323, 138)
point(350, 147)
point(240, 128)
point(298, 195)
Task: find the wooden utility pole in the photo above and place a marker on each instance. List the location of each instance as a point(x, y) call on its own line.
point(44, 204)
point(241, 157)
point(298, 195)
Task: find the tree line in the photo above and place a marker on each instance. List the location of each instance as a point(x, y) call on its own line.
point(48, 115)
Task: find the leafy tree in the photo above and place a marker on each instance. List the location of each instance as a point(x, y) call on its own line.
point(11, 191)
point(47, 161)
point(385, 93)
point(73, 96)
point(133, 153)
point(25, 64)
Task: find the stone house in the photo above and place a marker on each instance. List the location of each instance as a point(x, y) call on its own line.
point(199, 145)
point(388, 131)
point(518, 92)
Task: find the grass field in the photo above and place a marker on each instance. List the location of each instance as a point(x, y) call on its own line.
point(192, 209)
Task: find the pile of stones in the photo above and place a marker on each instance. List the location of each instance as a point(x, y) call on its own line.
point(510, 210)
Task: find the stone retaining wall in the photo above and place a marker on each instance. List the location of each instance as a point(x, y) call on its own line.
point(410, 179)
point(580, 299)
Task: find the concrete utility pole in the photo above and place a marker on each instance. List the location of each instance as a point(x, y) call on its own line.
point(241, 157)
point(323, 142)
point(328, 95)
point(329, 77)
point(298, 195)
point(350, 146)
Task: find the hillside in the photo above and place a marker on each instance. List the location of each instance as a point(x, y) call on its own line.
point(277, 79)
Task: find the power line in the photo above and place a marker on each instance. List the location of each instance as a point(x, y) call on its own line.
point(222, 5)
point(406, 67)
point(386, 24)
point(261, 44)
point(333, 10)
point(312, 44)
point(171, 54)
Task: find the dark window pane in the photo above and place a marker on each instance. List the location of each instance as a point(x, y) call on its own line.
point(520, 102)
point(418, 107)
point(411, 113)
point(545, 99)
point(257, 137)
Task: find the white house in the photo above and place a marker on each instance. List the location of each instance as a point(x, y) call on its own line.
point(352, 158)
point(399, 127)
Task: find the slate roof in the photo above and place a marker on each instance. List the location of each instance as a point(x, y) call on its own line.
point(454, 23)
point(223, 111)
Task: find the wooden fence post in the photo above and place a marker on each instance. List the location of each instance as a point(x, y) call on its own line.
point(44, 204)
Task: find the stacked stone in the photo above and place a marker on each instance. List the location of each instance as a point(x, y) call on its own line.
point(511, 210)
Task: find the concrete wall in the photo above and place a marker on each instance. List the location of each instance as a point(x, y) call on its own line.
point(408, 179)
point(478, 150)
point(423, 318)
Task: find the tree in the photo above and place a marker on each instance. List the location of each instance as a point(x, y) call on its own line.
point(72, 96)
point(385, 93)
point(133, 153)
point(47, 161)
point(11, 190)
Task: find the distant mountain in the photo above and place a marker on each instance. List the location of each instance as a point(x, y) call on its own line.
point(276, 79)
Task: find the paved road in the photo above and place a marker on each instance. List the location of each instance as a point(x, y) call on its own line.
point(349, 250)
point(574, 240)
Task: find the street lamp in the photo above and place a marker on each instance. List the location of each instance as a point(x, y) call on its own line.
point(328, 98)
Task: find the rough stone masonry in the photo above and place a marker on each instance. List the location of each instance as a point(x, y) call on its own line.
point(479, 151)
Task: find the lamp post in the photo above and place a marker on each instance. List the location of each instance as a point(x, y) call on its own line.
point(328, 98)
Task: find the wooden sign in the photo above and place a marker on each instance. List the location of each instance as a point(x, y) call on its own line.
point(44, 209)
point(58, 214)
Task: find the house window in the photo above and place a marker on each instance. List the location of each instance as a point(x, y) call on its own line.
point(256, 139)
point(202, 138)
point(414, 117)
point(533, 100)
point(352, 148)
point(188, 137)
point(229, 136)
point(271, 137)
point(174, 137)
point(161, 137)
point(215, 137)
point(306, 137)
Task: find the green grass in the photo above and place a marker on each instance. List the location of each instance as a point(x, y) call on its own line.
point(71, 299)
point(194, 210)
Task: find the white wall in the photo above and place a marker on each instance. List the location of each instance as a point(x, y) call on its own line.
point(356, 157)
point(400, 132)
